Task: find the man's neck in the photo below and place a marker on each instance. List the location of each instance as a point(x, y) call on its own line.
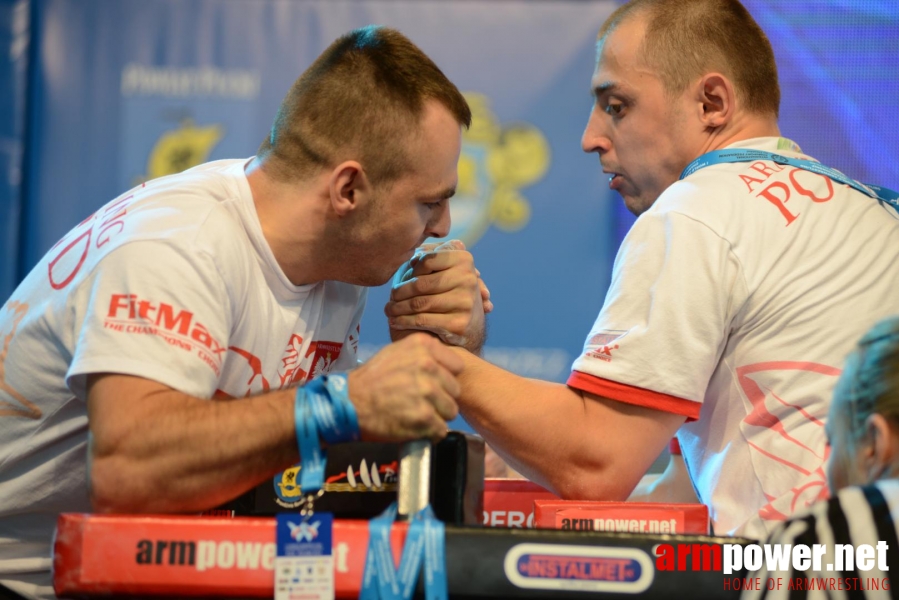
point(292, 221)
point(744, 127)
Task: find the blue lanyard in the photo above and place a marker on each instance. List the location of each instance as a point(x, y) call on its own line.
point(426, 539)
point(312, 456)
point(322, 407)
point(739, 155)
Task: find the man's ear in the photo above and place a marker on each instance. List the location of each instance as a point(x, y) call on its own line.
point(348, 187)
point(716, 99)
point(883, 450)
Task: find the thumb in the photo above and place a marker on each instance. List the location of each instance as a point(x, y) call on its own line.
point(451, 245)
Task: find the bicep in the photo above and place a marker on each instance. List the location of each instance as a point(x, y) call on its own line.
point(631, 437)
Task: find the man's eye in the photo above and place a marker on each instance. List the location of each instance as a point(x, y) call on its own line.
point(433, 205)
point(616, 109)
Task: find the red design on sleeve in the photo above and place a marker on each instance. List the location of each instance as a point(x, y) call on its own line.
point(59, 280)
point(255, 364)
point(110, 223)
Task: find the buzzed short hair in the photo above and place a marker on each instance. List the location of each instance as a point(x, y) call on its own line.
point(362, 99)
point(687, 38)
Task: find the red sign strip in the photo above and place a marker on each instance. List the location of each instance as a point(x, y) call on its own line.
point(190, 556)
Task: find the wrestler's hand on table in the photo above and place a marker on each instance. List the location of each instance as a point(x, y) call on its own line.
point(406, 391)
point(440, 291)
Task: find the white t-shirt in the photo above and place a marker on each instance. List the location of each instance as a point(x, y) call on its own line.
point(734, 301)
point(172, 281)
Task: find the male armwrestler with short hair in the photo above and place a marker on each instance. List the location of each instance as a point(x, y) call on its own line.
point(237, 278)
point(734, 297)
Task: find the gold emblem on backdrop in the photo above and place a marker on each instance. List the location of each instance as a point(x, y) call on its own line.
point(183, 148)
point(497, 162)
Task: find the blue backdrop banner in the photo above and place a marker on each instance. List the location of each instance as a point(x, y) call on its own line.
point(14, 49)
point(130, 90)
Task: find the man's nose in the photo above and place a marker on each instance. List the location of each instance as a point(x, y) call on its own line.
point(595, 138)
point(441, 224)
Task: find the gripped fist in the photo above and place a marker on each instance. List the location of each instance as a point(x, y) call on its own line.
point(440, 291)
point(406, 391)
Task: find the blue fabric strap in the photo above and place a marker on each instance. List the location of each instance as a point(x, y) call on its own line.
point(425, 542)
point(322, 408)
point(346, 423)
point(312, 456)
point(739, 155)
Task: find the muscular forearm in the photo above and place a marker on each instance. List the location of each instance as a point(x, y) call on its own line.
point(156, 449)
point(533, 425)
point(184, 454)
point(579, 447)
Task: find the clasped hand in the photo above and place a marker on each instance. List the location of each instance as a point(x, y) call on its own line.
point(440, 291)
point(409, 390)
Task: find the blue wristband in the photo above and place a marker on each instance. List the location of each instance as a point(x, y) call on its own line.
point(322, 408)
point(335, 415)
point(312, 456)
point(338, 389)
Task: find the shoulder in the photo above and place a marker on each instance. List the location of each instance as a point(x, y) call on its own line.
point(191, 209)
point(182, 219)
point(684, 211)
point(706, 197)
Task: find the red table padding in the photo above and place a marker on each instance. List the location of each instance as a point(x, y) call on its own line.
point(510, 502)
point(631, 517)
point(190, 556)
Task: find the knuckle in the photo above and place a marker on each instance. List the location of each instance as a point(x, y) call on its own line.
point(423, 416)
point(426, 284)
point(452, 412)
point(428, 388)
point(459, 324)
point(419, 303)
point(428, 364)
point(398, 294)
